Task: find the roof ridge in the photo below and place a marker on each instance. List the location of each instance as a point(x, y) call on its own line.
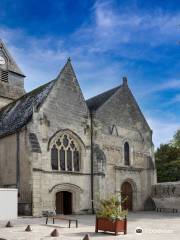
point(104, 92)
point(95, 102)
point(25, 95)
point(18, 113)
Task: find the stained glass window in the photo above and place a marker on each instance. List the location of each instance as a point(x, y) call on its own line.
point(65, 154)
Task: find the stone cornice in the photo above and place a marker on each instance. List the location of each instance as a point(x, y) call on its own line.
point(129, 168)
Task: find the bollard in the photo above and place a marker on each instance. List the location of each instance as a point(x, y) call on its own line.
point(8, 224)
point(28, 229)
point(86, 237)
point(55, 233)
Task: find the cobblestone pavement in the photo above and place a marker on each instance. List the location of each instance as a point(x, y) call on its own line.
point(154, 225)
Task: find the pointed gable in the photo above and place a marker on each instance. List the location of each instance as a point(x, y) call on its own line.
point(11, 64)
point(118, 106)
point(69, 91)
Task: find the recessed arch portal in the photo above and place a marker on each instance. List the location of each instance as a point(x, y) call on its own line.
point(64, 202)
point(72, 194)
point(127, 193)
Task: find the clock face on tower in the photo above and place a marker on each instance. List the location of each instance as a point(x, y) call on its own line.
point(2, 60)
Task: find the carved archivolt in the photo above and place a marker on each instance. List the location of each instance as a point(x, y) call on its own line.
point(66, 187)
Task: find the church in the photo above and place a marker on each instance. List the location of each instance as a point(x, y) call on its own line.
point(66, 153)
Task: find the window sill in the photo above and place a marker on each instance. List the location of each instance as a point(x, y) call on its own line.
point(59, 172)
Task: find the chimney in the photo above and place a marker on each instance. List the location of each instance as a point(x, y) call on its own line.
point(125, 81)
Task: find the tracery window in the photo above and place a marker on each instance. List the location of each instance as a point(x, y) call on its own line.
point(126, 153)
point(65, 154)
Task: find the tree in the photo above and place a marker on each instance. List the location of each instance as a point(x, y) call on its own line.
point(167, 159)
point(176, 139)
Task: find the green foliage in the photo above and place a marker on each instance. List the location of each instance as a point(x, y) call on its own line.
point(176, 139)
point(168, 160)
point(112, 208)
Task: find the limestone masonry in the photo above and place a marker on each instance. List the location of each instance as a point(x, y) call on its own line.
point(64, 153)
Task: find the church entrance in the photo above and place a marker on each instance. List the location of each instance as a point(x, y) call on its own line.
point(126, 191)
point(64, 202)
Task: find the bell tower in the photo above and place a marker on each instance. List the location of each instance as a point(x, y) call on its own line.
point(11, 78)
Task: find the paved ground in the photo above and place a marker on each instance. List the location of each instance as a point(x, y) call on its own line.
point(155, 226)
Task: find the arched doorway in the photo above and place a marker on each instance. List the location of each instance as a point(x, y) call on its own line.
point(126, 191)
point(64, 202)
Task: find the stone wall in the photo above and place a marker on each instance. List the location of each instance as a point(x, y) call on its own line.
point(4, 101)
point(10, 91)
point(8, 152)
point(8, 168)
point(167, 195)
point(117, 121)
point(64, 110)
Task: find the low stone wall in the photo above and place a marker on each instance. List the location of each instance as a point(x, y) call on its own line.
point(166, 195)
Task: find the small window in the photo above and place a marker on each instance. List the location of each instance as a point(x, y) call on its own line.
point(126, 154)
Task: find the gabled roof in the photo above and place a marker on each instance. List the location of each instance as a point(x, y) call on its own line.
point(95, 102)
point(12, 65)
point(18, 113)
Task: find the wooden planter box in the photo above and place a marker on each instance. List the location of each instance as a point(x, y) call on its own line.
point(106, 224)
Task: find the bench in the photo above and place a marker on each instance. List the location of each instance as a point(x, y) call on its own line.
point(159, 209)
point(60, 217)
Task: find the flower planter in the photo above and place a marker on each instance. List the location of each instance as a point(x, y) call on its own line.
point(109, 225)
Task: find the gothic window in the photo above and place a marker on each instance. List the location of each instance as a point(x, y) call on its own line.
point(54, 158)
point(65, 154)
point(126, 154)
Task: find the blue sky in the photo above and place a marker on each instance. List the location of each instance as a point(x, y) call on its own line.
point(106, 40)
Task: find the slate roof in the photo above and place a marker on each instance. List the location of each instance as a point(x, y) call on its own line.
point(18, 113)
point(95, 102)
point(12, 65)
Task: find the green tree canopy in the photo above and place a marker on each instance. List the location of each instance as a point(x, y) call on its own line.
point(167, 159)
point(176, 139)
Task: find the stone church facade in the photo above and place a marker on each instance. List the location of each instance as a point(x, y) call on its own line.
point(65, 153)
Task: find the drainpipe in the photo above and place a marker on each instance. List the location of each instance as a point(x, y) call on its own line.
point(17, 162)
point(92, 165)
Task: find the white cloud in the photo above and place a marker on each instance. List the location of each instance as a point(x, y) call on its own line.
point(93, 49)
point(127, 26)
point(163, 130)
point(172, 84)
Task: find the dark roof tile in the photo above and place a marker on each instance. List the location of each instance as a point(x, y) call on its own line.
point(18, 113)
point(95, 102)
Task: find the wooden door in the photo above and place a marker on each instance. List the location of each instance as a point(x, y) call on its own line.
point(126, 191)
point(67, 203)
point(59, 203)
point(64, 202)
